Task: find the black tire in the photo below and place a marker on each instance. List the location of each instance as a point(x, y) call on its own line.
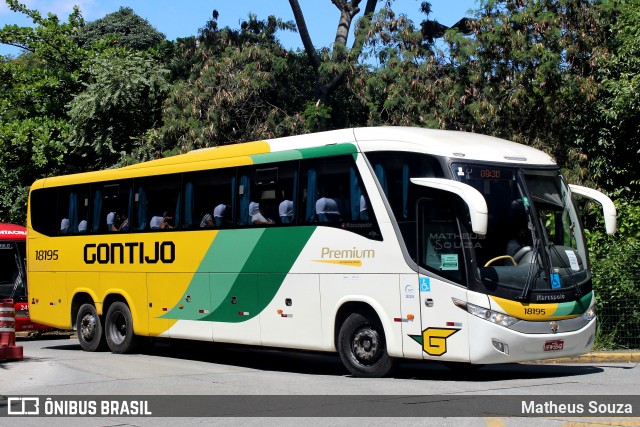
point(89, 328)
point(118, 328)
point(362, 347)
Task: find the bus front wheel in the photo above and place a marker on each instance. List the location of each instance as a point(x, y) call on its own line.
point(362, 346)
point(119, 329)
point(89, 328)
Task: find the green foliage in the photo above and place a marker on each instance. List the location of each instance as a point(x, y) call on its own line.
point(245, 87)
point(52, 40)
point(317, 115)
point(615, 262)
point(34, 89)
point(615, 259)
point(245, 94)
point(29, 148)
point(122, 101)
point(615, 122)
point(522, 75)
point(121, 28)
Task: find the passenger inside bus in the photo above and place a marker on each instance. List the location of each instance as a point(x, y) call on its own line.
point(207, 221)
point(220, 215)
point(285, 210)
point(161, 222)
point(118, 223)
point(64, 226)
point(363, 209)
point(327, 209)
point(262, 216)
point(110, 218)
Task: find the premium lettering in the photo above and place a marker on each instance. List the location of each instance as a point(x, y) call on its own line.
point(347, 253)
point(130, 253)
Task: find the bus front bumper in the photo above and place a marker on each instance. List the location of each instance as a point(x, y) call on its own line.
point(490, 343)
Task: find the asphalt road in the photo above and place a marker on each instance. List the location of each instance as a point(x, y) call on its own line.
point(58, 367)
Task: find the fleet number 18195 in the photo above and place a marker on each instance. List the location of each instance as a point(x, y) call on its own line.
point(47, 255)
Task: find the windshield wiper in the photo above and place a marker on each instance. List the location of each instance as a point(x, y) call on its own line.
point(526, 291)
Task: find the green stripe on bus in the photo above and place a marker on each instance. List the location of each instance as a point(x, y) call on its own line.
point(278, 156)
point(226, 256)
point(304, 153)
point(263, 257)
point(574, 307)
point(328, 150)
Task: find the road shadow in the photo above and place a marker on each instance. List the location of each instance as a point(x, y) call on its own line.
point(319, 363)
point(41, 336)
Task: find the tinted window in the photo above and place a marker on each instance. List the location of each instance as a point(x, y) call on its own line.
point(208, 199)
point(111, 206)
point(157, 201)
point(267, 194)
point(332, 194)
point(42, 205)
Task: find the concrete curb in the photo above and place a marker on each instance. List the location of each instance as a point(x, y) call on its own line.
point(621, 356)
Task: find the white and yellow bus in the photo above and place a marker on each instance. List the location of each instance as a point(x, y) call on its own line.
point(378, 243)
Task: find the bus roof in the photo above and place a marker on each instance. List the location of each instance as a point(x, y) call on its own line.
point(12, 232)
point(454, 144)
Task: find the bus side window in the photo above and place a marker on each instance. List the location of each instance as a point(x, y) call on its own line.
point(267, 194)
point(208, 199)
point(157, 196)
point(326, 190)
point(41, 203)
point(333, 195)
point(111, 200)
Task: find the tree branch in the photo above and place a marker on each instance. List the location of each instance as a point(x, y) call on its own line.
point(358, 42)
point(304, 34)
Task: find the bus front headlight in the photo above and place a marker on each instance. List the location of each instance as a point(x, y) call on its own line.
point(486, 314)
point(590, 313)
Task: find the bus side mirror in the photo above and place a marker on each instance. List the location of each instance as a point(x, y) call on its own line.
point(473, 198)
point(608, 208)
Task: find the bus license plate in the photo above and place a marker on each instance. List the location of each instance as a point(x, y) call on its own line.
point(553, 345)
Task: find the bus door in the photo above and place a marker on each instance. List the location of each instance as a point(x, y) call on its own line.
point(441, 278)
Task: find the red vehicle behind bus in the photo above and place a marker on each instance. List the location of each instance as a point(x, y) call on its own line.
point(13, 278)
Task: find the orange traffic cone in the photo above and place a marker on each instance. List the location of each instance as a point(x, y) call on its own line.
point(8, 348)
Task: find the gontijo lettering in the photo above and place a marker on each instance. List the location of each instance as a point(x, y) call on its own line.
point(130, 252)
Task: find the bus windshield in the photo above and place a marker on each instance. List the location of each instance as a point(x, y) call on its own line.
point(534, 242)
point(12, 271)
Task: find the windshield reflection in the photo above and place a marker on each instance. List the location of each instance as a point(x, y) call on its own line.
point(534, 240)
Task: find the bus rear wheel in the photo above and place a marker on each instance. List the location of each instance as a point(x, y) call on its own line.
point(89, 328)
point(119, 329)
point(362, 347)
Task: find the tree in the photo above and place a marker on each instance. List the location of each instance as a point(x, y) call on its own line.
point(330, 70)
point(60, 103)
point(528, 75)
point(122, 28)
point(122, 101)
point(244, 87)
point(34, 89)
point(614, 142)
point(54, 41)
